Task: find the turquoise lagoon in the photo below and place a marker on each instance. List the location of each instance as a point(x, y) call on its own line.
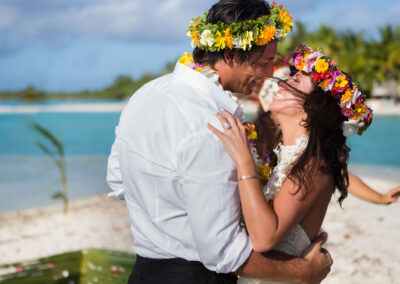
point(28, 177)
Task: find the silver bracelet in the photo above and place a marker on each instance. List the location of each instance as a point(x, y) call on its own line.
point(247, 177)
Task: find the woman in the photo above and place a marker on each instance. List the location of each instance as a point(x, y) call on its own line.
point(269, 137)
point(316, 109)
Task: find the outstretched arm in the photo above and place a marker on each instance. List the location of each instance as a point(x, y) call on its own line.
point(359, 189)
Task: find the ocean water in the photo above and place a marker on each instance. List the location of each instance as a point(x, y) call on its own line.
point(28, 177)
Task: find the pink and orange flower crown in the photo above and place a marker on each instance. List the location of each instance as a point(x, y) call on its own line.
point(331, 79)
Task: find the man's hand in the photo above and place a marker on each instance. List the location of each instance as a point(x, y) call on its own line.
point(318, 260)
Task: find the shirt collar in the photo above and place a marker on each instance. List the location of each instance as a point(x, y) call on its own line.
point(208, 82)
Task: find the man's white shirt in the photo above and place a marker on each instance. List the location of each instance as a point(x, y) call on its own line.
point(179, 183)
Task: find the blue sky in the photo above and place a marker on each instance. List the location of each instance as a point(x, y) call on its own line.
point(72, 45)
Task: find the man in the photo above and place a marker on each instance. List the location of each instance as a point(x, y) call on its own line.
point(179, 184)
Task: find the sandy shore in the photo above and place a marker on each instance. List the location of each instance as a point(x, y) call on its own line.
point(96, 221)
point(380, 107)
point(363, 238)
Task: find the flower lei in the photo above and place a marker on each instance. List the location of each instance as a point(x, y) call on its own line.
point(264, 165)
point(329, 78)
point(240, 35)
point(187, 59)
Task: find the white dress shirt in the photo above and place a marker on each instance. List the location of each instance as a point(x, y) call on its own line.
point(179, 183)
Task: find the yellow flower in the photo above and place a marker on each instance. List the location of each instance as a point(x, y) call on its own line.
point(341, 81)
point(301, 65)
point(253, 133)
point(346, 96)
point(321, 66)
point(228, 38)
point(287, 21)
point(186, 59)
point(220, 41)
point(358, 112)
point(264, 173)
point(266, 35)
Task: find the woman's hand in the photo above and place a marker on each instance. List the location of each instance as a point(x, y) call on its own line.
point(234, 138)
point(391, 196)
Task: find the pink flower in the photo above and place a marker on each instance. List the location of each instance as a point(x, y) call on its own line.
point(297, 60)
point(360, 100)
point(347, 112)
point(335, 75)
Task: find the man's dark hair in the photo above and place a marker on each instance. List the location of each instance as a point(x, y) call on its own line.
point(228, 12)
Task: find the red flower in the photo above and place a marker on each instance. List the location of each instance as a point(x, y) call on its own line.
point(338, 90)
point(318, 77)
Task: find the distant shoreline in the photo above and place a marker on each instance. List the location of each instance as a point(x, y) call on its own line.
point(379, 107)
point(63, 107)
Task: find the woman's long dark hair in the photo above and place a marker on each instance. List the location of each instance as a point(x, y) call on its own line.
point(326, 140)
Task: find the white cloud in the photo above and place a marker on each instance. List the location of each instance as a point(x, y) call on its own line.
point(7, 17)
point(53, 22)
point(123, 19)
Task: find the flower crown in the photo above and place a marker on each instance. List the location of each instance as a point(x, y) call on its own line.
point(240, 35)
point(329, 78)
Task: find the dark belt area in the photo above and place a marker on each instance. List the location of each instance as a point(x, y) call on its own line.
point(175, 271)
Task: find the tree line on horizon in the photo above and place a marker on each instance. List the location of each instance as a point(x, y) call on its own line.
point(367, 59)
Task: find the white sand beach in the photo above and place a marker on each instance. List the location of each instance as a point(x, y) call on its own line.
point(380, 107)
point(363, 238)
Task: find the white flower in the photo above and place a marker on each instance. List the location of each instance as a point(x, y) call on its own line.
point(206, 38)
point(356, 94)
point(65, 273)
point(237, 41)
point(311, 60)
point(278, 33)
point(351, 127)
point(247, 40)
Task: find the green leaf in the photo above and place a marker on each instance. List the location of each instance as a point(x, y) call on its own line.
point(58, 195)
point(46, 150)
point(45, 133)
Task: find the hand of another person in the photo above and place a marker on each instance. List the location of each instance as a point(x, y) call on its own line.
point(319, 260)
point(234, 138)
point(391, 196)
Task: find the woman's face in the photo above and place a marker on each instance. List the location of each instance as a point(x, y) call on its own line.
point(287, 100)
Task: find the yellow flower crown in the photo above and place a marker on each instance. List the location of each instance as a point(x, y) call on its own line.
point(241, 35)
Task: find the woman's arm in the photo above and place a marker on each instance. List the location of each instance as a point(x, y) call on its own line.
point(266, 226)
point(359, 189)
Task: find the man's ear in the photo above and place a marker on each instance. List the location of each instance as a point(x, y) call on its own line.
point(229, 56)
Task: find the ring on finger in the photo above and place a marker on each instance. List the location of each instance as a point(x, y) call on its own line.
point(226, 126)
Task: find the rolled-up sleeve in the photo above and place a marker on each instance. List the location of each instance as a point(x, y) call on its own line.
point(114, 177)
point(209, 189)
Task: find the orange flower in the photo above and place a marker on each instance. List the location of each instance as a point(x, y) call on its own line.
point(195, 33)
point(358, 112)
point(266, 35)
point(347, 96)
point(228, 38)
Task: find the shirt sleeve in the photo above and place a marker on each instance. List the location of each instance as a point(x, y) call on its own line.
point(114, 177)
point(209, 189)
